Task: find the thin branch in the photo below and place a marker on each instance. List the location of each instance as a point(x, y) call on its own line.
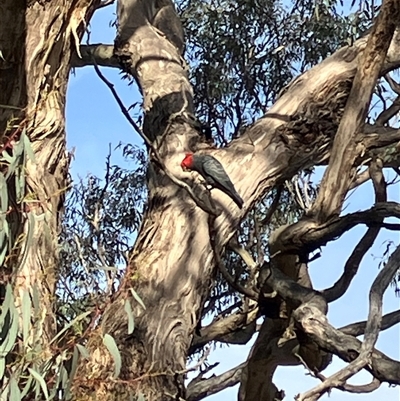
point(248, 292)
point(214, 384)
point(243, 253)
point(360, 179)
point(394, 86)
point(353, 262)
point(357, 329)
point(389, 113)
point(361, 388)
point(200, 203)
point(375, 137)
point(350, 388)
point(274, 205)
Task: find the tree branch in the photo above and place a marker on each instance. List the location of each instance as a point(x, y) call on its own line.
point(365, 356)
point(214, 384)
point(307, 236)
point(99, 54)
point(357, 329)
point(220, 329)
point(353, 263)
point(337, 177)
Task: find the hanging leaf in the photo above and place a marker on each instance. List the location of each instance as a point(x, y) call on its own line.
point(15, 392)
point(37, 376)
point(28, 146)
point(129, 312)
point(74, 366)
point(3, 194)
point(109, 342)
point(83, 351)
point(136, 296)
point(26, 316)
point(8, 322)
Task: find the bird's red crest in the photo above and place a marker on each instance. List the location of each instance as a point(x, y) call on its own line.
point(187, 162)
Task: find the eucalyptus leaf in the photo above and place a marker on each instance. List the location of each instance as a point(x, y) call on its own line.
point(70, 324)
point(15, 392)
point(111, 345)
point(136, 296)
point(129, 312)
point(26, 316)
point(40, 380)
point(83, 351)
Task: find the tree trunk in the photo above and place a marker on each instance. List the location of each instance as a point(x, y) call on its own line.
point(36, 44)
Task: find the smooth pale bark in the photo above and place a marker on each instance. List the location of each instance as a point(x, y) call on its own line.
point(172, 264)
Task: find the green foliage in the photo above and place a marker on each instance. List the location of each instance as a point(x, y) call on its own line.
point(111, 345)
point(100, 223)
point(243, 53)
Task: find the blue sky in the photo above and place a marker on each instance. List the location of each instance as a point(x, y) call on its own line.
point(94, 121)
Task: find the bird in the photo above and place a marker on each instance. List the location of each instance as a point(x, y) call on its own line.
point(213, 173)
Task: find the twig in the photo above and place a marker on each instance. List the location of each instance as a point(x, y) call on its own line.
point(350, 388)
point(243, 253)
point(273, 205)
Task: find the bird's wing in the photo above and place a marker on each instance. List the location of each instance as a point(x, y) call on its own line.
point(213, 168)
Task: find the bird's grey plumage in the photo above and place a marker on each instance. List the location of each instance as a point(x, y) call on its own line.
point(214, 174)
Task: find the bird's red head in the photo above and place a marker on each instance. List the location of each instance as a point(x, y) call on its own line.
point(187, 162)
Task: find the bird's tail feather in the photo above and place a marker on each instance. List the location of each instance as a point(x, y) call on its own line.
point(237, 199)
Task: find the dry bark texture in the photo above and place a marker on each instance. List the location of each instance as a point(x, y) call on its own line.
point(172, 265)
point(36, 44)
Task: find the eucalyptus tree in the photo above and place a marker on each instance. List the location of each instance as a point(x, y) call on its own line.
point(271, 90)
